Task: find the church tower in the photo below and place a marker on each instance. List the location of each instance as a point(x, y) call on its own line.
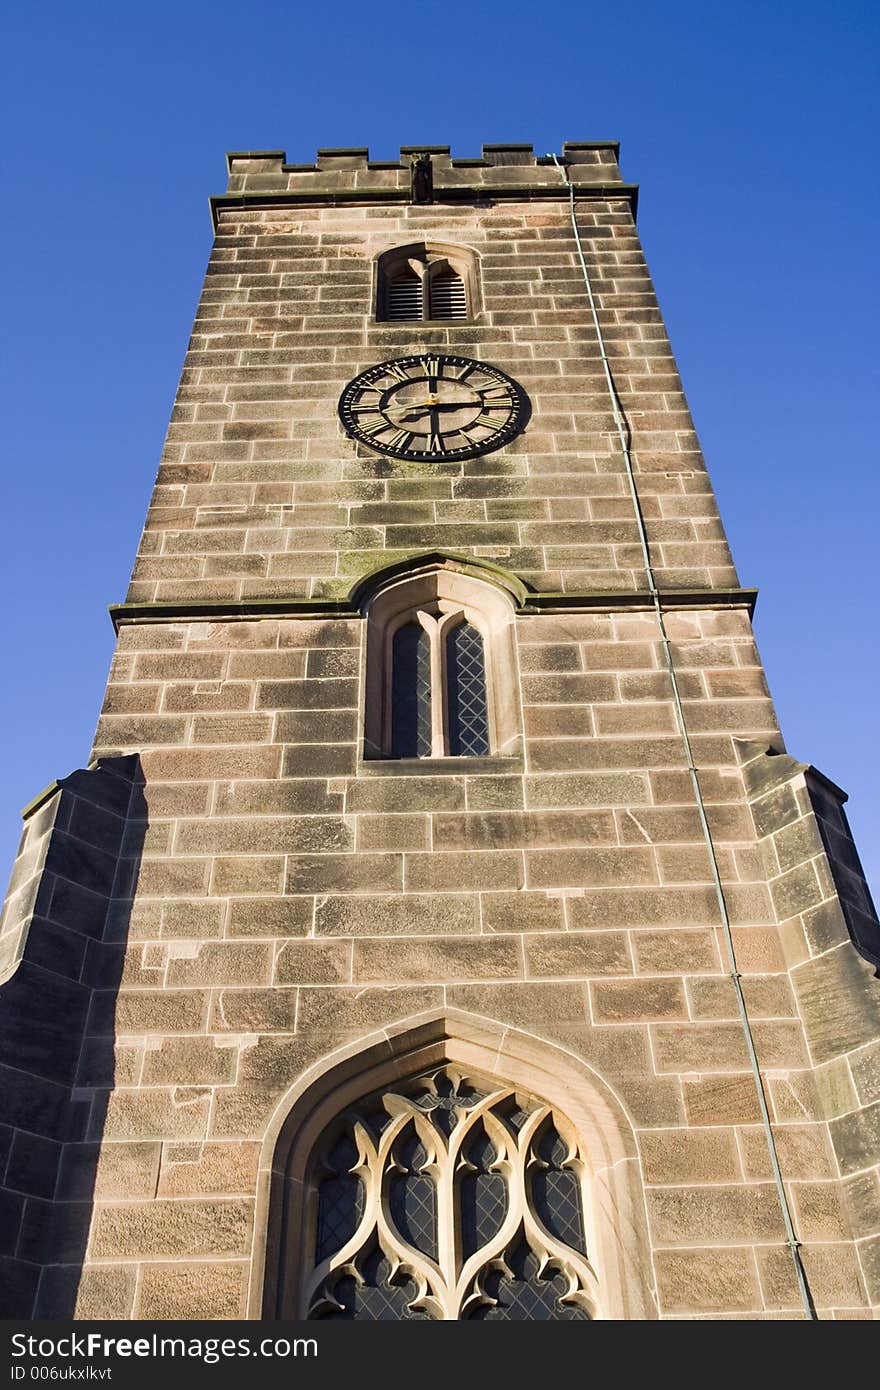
point(440, 928)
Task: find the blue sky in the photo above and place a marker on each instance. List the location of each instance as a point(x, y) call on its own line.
point(752, 129)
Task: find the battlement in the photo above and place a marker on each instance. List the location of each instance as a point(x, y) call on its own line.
point(500, 170)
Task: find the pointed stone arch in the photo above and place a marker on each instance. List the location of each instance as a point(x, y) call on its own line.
point(417, 1045)
point(375, 581)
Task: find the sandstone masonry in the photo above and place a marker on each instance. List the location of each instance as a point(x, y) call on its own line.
point(232, 900)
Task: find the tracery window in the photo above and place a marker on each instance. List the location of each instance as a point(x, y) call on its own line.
point(448, 1197)
point(425, 282)
point(441, 677)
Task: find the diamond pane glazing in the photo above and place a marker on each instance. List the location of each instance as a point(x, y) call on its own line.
point(482, 1195)
point(524, 1296)
point(376, 1299)
point(556, 1192)
point(411, 693)
point(412, 1198)
point(340, 1202)
point(466, 692)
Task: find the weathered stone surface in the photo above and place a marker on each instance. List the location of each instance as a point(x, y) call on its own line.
point(196, 1170)
point(696, 1156)
point(172, 1228)
point(687, 1216)
point(261, 891)
point(412, 915)
point(707, 1281)
point(203, 1291)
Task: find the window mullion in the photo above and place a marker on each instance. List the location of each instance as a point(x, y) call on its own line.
point(438, 695)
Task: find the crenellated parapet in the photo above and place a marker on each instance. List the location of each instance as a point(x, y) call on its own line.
point(499, 171)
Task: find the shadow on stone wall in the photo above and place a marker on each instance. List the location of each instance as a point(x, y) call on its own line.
point(62, 945)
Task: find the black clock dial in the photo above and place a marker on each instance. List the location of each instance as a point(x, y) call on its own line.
point(433, 407)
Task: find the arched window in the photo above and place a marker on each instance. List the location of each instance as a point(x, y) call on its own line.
point(447, 1197)
point(428, 1172)
point(441, 676)
point(425, 282)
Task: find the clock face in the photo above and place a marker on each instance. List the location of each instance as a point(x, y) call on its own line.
point(433, 407)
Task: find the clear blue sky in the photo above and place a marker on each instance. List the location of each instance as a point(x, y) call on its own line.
point(752, 129)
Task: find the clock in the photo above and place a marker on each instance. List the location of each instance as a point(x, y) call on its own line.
point(433, 407)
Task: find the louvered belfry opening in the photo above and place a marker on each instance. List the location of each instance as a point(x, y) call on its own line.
point(447, 295)
point(404, 296)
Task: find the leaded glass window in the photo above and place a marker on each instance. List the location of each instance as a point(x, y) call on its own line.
point(448, 1198)
point(411, 693)
point(466, 692)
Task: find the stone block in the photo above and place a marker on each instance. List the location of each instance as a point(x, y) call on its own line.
point(271, 916)
point(450, 872)
point(712, 1280)
point(522, 830)
point(578, 955)
point(253, 1010)
point(287, 797)
point(200, 1170)
point(317, 726)
point(429, 959)
point(343, 1011)
point(837, 997)
point(345, 873)
point(88, 1292)
point(413, 914)
point(390, 794)
point(862, 1193)
point(856, 1138)
point(202, 1291)
point(307, 694)
point(832, 1274)
point(804, 1151)
point(589, 867)
point(223, 963)
point(313, 963)
point(736, 1215)
point(189, 1061)
point(155, 1011)
point(108, 1170)
point(406, 832)
point(157, 1114)
point(820, 1213)
point(494, 793)
point(643, 907)
point(265, 835)
point(640, 1000)
point(172, 1228)
point(690, 1156)
point(588, 789)
point(671, 952)
point(521, 912)
point(319, 760)
point(240, 874)
point(699, 1047)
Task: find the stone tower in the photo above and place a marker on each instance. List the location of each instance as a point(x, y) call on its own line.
point(439, 925)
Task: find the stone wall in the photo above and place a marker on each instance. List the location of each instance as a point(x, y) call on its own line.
point(294, 900)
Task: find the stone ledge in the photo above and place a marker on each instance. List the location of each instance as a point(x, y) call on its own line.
point(241, 610)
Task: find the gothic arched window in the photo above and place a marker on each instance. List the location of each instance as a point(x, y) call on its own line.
point(425, 282)
point(440, 670)
point(451, 1198)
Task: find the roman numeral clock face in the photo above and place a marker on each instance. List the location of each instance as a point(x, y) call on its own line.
point(433, 407)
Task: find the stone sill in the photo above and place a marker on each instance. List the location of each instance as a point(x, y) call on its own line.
point(444, 767)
